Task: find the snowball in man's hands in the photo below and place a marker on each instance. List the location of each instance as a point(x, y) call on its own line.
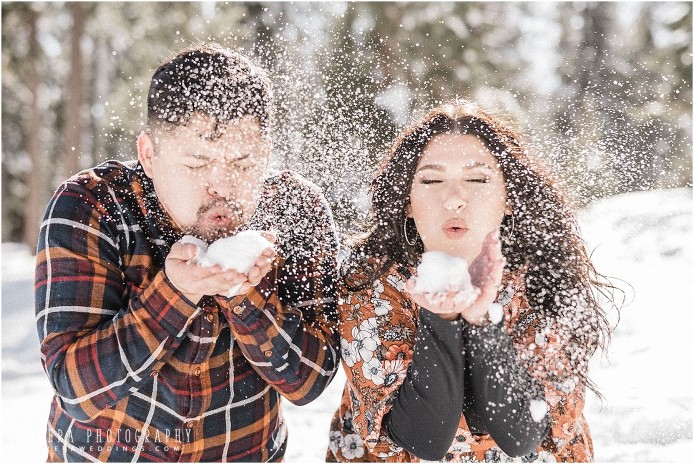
point(440, 273)
point(201, 246)
point(239, 252)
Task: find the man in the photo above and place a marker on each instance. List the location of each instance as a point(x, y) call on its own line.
point(148, 361)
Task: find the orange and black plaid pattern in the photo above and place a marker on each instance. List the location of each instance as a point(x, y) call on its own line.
point(142, 374)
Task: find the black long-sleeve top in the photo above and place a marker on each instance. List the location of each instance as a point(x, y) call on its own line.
point(457, 367)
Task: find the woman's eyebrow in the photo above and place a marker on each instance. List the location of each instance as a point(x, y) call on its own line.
point(438, 167)
point(477, 165)
point(435, 167)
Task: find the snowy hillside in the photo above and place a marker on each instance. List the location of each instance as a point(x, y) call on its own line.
point(643, 238)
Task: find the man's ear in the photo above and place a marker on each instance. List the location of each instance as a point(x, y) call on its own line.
point(145, 152)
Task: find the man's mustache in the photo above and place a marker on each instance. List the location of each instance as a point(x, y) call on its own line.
point(232, 205)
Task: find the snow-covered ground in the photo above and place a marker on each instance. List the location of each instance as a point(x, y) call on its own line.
point(643, 238)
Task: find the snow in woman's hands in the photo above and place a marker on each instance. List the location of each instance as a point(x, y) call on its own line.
point(439, 274)
point(239, 252)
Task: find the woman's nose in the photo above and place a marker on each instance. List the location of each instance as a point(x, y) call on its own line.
point(454, 201)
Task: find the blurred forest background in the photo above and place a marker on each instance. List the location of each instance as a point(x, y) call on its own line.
point(603, 90)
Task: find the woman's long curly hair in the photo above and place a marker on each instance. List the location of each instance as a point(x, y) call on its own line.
point(541, 235)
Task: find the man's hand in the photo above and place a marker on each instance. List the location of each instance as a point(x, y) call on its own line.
point(485, 274)
point(195, 281)
point(262, 266)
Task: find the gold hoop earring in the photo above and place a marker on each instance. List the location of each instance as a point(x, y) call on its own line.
point(407, 239)
point(507, 239)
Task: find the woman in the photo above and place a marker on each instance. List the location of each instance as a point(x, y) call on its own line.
point(439, 380)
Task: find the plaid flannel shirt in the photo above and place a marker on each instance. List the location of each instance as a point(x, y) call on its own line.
point(142, 374)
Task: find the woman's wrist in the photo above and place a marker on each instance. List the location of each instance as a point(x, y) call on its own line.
point(449, 316)
point(478, 317)
point(479, 321)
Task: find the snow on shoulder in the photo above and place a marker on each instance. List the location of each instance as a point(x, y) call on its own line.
point(440, 273)
point(239, 252)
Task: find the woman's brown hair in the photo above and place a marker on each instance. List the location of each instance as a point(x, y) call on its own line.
point(542, 237)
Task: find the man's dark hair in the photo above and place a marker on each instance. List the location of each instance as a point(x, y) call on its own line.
point(212, 80)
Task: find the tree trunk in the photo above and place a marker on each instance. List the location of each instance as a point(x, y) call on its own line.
point(74, 96)
point(35, 175)
point(99, 88)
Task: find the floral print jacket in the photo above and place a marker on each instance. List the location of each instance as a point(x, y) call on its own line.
point(377, 334)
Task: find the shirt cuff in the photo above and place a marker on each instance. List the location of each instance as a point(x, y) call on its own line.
point(167, 306)
point(439, 324)
point(246, 308)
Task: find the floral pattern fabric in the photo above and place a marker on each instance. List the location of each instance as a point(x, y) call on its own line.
point(377, 335)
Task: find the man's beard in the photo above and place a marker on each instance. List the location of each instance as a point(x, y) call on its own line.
point(205, 231)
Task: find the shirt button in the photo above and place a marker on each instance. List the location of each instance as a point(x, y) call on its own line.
point(153, 373)
point(210, 317)
point(196, 371)
point(238, 310)
point(268, 353)
point(190, 424)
